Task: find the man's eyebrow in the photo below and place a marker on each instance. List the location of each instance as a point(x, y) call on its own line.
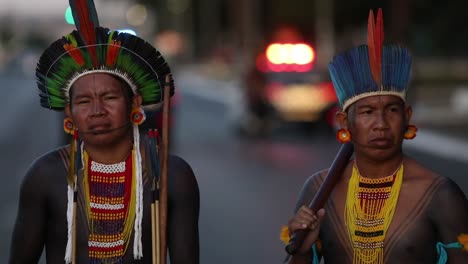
point(398, 103)
point(364, 106)
point(79, 96)
point(109, 91)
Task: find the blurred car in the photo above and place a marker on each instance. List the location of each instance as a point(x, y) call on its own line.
point(284, 87)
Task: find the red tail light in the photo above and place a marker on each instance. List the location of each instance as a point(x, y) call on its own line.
point(290, 57)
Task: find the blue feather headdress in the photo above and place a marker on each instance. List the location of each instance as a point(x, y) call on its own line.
point(371, 69)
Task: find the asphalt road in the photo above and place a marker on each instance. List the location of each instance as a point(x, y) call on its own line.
point(248, 187)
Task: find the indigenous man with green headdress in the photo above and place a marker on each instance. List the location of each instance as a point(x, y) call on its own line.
point(386, 207)
point(97, 200)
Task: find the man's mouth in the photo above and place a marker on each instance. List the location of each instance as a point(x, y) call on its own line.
point(99, 129)
point(381, 142)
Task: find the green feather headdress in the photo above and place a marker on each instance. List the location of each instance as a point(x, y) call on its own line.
point(94, 49)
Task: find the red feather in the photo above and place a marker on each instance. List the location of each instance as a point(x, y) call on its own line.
point(112, 52)
point(379, 38)
point(84, 14)
point(371, 43)
point(75, 54)
point(375, 36)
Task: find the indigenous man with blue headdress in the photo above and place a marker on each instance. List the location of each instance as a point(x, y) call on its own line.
point(113, 195)
point(386, 207)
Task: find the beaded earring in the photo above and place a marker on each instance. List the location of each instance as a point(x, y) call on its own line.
point(343, 135)
point(137, 116)
point(410, 132)
point(68, 125)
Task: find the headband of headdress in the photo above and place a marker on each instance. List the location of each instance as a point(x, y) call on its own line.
point(372, 69)
point(94, 49)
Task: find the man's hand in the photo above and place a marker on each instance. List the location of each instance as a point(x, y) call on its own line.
point(306, 219)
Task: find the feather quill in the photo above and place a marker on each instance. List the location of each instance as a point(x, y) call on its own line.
point(86, 21)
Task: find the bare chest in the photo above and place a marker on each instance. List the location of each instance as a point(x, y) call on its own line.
point(410, 238)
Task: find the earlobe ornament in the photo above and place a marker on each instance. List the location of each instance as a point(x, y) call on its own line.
point(343, 135)
point(68, 125)
point(137, 116)
point(410, 132)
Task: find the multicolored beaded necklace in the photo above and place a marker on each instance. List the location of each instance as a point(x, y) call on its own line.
point(370, 205)
point(110, 200)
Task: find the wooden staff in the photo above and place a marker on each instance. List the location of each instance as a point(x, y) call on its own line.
point(155, 235)
point(334, 174)
point(74, 227)
point(163, 180)
point(154, 170)
point(77, 159)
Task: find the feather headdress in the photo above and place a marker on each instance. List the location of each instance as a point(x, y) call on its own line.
point(92, 49)
point(372, 69)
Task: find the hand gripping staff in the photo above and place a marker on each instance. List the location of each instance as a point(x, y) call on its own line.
point(333, 176)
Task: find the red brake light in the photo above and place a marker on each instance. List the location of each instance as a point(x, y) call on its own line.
point(302, 54)
point(292, 57)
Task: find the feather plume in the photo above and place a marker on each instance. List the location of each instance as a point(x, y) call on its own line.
point(371, 43)
point(86, 21)
point(379, 38)
point(375, 37)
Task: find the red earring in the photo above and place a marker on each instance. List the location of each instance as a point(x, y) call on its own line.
point(137, 116)
point(343, 135)
point(68, 126)
point(410, 132)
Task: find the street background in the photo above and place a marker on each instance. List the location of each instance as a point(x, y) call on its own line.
point(248, 186)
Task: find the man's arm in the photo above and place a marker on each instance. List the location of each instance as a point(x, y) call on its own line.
point(307, 193)
point(30, 226)
point(449, 211)
point(183, 212)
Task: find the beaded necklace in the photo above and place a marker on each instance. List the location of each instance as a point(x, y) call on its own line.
point(370, 205)
point(110, 200)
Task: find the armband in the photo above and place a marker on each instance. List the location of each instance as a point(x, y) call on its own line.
point(462, 243)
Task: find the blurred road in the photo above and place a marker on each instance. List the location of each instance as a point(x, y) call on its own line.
point(27, 131)
point(248, 187)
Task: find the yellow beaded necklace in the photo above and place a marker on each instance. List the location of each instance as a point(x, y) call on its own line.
point(370, 205)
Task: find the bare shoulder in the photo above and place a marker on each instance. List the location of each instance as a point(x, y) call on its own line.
point(314, 181)
point(181, 178)
point(45, 176)
point(180, 168)
point(49, 166)
point(421, 176)
point(416, 173)
point(310, 188)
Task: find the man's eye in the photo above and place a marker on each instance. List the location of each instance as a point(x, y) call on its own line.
point(82, 101)
point(110, 97)
point(366, 112)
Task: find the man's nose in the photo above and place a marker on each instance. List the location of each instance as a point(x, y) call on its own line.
point(97, 108)
point(381, 122)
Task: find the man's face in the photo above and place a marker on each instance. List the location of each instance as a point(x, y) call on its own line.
point(100, 110)
point(377, 125)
